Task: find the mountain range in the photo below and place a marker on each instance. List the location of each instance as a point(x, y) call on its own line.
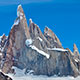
point(26, 47)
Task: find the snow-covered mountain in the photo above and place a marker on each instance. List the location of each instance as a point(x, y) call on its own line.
point(27, 48)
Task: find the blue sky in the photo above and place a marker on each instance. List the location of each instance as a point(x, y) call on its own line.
point(8, 2)
point(62, 16)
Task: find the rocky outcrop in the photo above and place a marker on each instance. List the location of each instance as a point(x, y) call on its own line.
point(16, 40)
point(29, 48)
point(52, 38)
point(76, 57)
point(4, 77)
point(75, 51)
point(38, 38)
point(3, 42)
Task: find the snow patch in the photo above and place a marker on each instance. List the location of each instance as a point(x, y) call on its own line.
point(40, 51)
point(39, 39)
point(19, 13)
point(30, 72)
point(21, 72)
point(16, 22)
point(55, 41)
point(76, 60)
point(41, 77)
point(18, 72)
point(21, 17)
point(19, 5)
point(30, 20)
point(57, 49)
point(0, 37)
point(28, 42)
point(0, 54)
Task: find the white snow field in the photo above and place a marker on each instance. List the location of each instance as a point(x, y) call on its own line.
point(31, 77)
point(19, 75)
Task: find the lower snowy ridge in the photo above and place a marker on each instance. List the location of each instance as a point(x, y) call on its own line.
point(20, 75)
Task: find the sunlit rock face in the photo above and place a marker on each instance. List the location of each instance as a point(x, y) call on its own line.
point(75, 51)
point(16, 39)
point(52, 38)
point(30, 49)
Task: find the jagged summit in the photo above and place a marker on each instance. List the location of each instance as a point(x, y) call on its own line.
point(34, 29)
point(70, 51)
point(75, 47)
point(3, 36)
point(52, 38)
point(28, 48)
point(19, 6)
point(30, 21)
point(20, 11)
point(48, 31)
point(75, 50)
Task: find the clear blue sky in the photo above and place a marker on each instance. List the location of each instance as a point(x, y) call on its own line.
point(62, 16)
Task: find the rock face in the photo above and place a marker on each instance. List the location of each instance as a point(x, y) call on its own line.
point(75, 51)
point(52, 38)
point(16, 41)
point(3, 42)
point(29, 48)
point(4, 77)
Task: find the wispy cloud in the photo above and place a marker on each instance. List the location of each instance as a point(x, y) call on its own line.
point(66, 1)
point(8, 2)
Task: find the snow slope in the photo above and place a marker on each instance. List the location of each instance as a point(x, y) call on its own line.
point(31, 77)
point(40, 51)
point(19, 75)
point(57, 49)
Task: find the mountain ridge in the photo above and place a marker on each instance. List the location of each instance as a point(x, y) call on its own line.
point(27, 47)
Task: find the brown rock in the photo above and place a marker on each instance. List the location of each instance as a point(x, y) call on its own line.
point(75, 51)
point(52, 38)
point(23, 21)
point(16, 40)
point(36, 34)
point(70, 51)
point(34, 30)
point(32, 56)
point(3, 37)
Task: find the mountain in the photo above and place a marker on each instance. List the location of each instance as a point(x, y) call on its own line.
point(30, 49)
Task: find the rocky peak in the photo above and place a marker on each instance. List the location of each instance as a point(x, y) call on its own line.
point(70, 51)
point(4, 37)
point(23, 21)
point(52, 38)
point(19, 32)
point(48, 32)
point(16, 39)
point(20, 11)
point(34, 29)
point(31, 50)
point(3, 42)
point(75, 50)
point(38, 37)
point(30, 21)
point(75, 47)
